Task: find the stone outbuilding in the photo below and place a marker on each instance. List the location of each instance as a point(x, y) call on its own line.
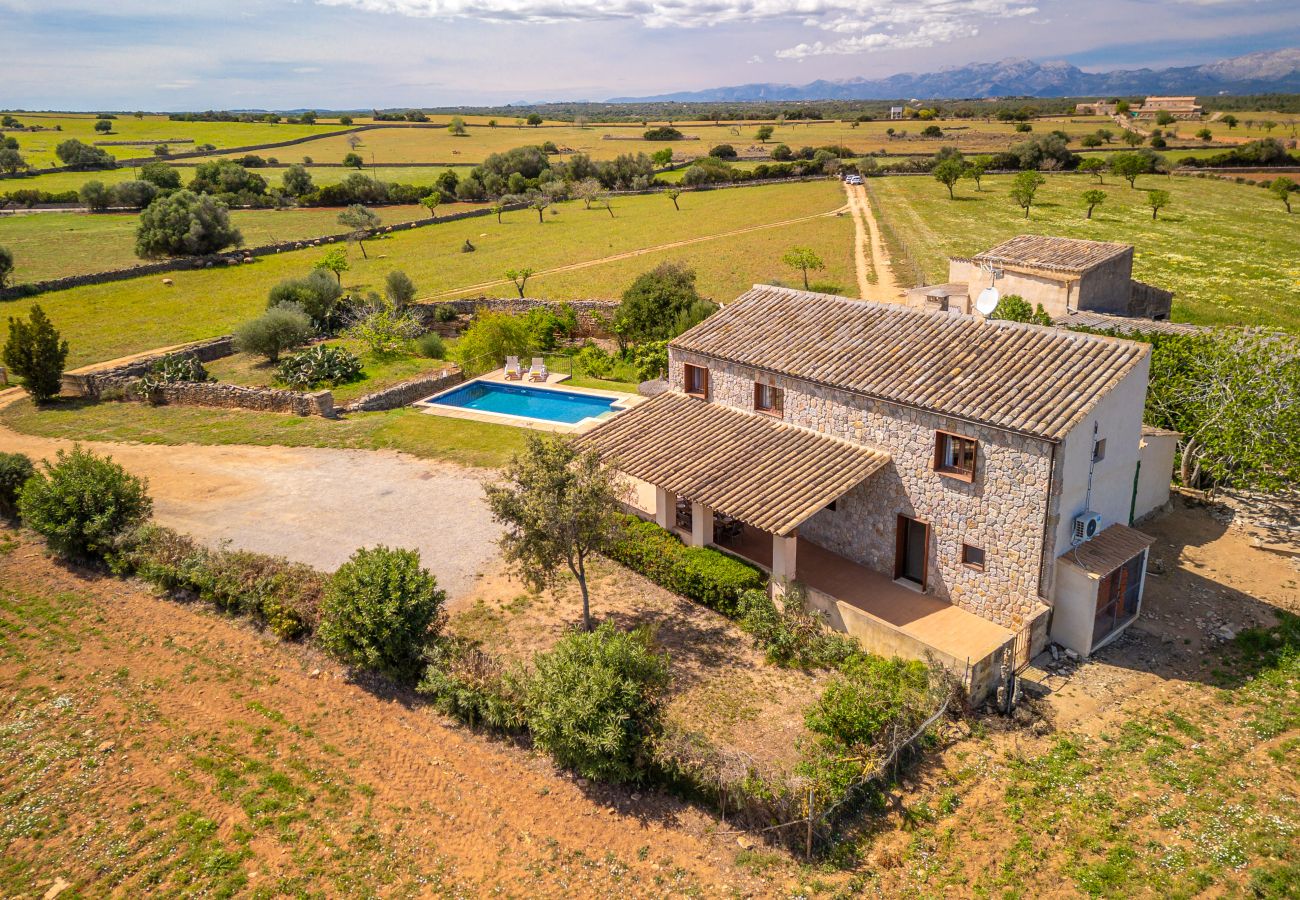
point(918, 475)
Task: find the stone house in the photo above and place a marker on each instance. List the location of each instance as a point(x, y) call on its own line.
point(1065, 275)
point(1178, 107)
point(1099, 108)
point(926, 480)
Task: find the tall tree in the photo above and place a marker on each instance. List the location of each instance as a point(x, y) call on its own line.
point(1092, 199)
point(803, 259)
point(36, 354)
point(1024, 187)
point(559, 505)
point(362, 221)
point(1156, 200)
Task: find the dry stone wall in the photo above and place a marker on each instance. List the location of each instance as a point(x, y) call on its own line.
point(407, 392)
point(593, 315)
point(1002, 511)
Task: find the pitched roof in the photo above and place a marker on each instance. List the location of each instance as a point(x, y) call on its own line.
point(1054, 254)
point(1023, 378)
point(1105, 553)
point(766, 473)
point(1082, 318)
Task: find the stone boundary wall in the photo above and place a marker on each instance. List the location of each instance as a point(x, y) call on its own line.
point(407, 392)
point(232, 396)
point(89, 384)
point(143, 143)
point(592, 314)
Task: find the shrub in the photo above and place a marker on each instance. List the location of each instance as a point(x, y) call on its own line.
point(315, 294)
point(173, 369)
point(82, 503)
point(276, 330)
point(444, 313)
point(284, 596)
point(594, 702)
point(35, 353)
point(650, 359)
point(380, 610)
point(15, 470)
point(383, 326)
point(873, 704)
point(431, 346)
point(489, 340)
point(699, 573)
point(399, 288)
point(789, 635)
point(470, 685)
point(133, 194)
point(321, 364)
point(1014, 308)
point(593, 361)
point(663, 133)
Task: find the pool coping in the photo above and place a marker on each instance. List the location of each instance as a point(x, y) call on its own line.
point(623, 401)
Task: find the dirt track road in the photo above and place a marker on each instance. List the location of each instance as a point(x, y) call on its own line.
point(869, 253)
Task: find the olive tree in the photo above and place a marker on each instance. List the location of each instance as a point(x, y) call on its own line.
point(185, 224)
point(559, 505)
point(803, 259)
point(297, 181)
point(278, 329)
point(362, 221)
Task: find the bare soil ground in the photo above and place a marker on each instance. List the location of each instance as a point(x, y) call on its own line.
point(875, 274)
point(148, 745)
point(722, 687)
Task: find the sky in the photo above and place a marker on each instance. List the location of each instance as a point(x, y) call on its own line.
point(358, 54)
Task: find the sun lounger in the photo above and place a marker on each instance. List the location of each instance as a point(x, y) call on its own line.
point(513, 370)
point(537, 371)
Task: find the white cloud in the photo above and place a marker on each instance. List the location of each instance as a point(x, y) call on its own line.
point(872, 24)
point(754, 60)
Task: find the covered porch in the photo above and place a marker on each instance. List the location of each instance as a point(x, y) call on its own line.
point(743, 483)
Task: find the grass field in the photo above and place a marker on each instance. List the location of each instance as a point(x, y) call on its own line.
point(52, 245)
point(1229, 252)
point(38, 147)
point(107, 321)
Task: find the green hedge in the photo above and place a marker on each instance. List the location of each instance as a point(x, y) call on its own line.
point(703, 575)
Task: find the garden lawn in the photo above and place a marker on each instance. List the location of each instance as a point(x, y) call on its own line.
point(460, 441)
point(107, 321)
point(54, 245)
point(1229, 252)
point(378, 372)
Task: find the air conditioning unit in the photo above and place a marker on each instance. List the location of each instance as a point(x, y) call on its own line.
point(1087, 525)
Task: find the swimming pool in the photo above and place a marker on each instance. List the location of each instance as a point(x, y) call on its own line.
point(523, 401)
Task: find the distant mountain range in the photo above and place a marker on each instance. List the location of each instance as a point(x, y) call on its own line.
point(1255, 73)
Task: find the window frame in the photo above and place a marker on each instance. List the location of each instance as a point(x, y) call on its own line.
point(703, 371)
point(980, 566)
point(777, 409)
point(941, 438)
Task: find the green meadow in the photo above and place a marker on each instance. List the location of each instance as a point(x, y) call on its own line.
point(1229, 251)
point(106, 321)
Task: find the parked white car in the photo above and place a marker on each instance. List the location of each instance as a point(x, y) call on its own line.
point(853, 179)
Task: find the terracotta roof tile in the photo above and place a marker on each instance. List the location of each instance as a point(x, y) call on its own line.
point(768, 474)
point(1057, 254)
point(1024, 378)
point(1105, 553)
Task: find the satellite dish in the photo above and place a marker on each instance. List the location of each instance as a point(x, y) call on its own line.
point(987, 301)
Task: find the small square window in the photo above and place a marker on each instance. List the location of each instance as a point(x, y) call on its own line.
point(972, 557)
point(1099, 450)
point(697, 381)
point(768, 399)
point(954, 455)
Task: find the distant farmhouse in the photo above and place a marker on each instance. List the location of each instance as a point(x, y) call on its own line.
point(1178, 107)
point(1068, 276)
point(895, 112)
point(1100, 108)
point(939, 486)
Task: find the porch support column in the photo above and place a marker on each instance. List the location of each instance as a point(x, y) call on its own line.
point(701, 525)
point(783, 558)
point(665, 508)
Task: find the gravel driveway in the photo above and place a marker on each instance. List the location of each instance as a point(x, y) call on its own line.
point(312, 505)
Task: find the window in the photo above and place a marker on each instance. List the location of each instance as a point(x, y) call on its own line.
point(697, 381)
point(972, 557)
point(831, 507)
point(954, 455)
point(1099, 450)
point(768, 399)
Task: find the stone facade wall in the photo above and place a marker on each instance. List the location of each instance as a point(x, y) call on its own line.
point(1003, 510)
point(407, 392)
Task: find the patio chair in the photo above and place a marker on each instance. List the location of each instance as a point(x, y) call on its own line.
point(513, 370)
point(537, 371)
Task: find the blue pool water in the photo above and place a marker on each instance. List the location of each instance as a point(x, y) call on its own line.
point(522, 400)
